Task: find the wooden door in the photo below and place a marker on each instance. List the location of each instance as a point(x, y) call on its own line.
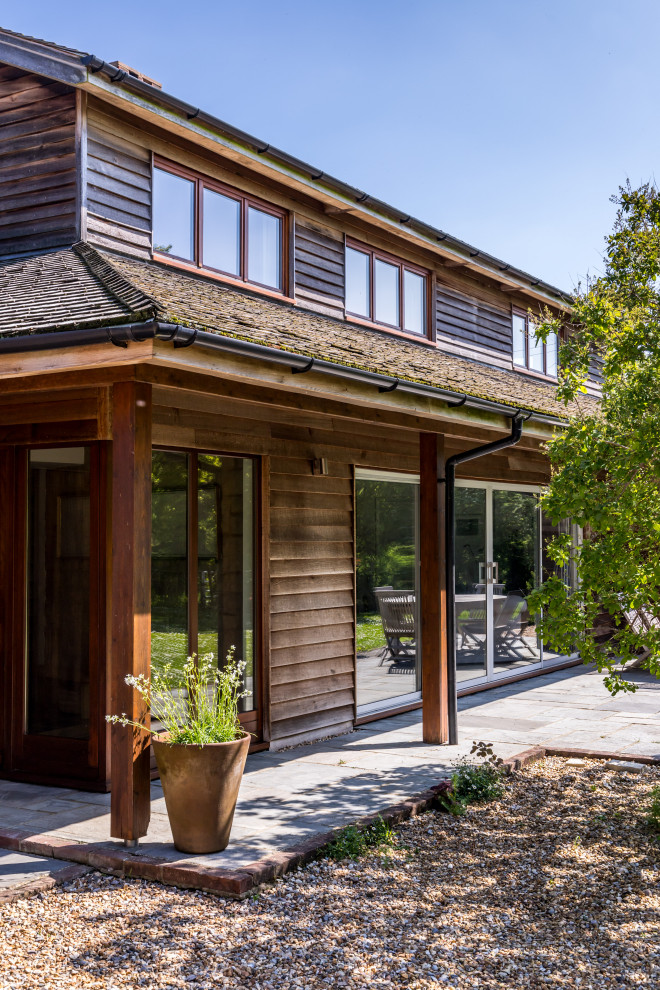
point(55, 636)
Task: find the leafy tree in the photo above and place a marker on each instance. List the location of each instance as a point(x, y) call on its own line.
point(606, 464)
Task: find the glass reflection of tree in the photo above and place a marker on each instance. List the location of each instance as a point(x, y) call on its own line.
point(470, 537)
point(169, 570)
point(385, 539)
point(515, 539)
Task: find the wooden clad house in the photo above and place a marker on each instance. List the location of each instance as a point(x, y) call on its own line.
point(229, 387)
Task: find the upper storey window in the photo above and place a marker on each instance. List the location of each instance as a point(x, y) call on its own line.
point(384, 290)
point(213, 226)
point(530, 353)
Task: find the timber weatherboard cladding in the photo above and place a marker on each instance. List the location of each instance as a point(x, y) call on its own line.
point(38, 174)
point(465, 318)
point(119, 189)
point(319, 268)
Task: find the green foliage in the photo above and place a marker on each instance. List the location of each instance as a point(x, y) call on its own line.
point(352, 841)
point(196, 703)
point(653, 812)
point(384, 539)
point(474, 783)
point(606, 464)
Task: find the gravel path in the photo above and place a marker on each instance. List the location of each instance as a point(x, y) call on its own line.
point(554, 886)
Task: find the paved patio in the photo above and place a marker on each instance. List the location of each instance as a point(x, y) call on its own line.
point(289, 797)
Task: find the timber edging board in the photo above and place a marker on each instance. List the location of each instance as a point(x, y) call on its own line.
point(239, 882)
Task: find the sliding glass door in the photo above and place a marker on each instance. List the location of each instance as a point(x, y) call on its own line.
point(387, 568)
point(500, 539)
point(500, 542)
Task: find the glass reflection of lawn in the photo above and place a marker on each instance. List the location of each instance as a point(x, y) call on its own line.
point(172, 648)
point(369, 632)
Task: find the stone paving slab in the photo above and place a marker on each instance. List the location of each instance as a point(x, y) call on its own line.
point(291, 800)
point(22, 874)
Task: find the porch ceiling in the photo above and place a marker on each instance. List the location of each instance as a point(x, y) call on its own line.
point(79, 288)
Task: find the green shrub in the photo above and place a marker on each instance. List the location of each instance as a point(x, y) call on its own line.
point(474, 783)
point(477, 783)
point(353, 841)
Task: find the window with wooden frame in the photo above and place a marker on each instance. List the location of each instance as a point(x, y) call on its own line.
point(386, 290)
point(203, 222)
point(528, 352)
point(203, 561)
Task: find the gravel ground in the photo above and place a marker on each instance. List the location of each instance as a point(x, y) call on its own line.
point(554, 886)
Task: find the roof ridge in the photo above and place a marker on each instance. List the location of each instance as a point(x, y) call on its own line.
point(117, 284)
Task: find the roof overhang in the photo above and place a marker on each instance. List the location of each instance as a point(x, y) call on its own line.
point(371, 385)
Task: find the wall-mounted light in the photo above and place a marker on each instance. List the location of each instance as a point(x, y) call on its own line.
point(320, 465)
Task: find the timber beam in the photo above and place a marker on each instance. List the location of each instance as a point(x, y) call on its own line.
point(130, 618)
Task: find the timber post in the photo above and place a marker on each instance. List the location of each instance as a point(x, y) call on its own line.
point(433, 589)
point(130, 625)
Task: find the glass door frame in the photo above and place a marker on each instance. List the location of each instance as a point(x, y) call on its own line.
point(412, 697)
point(491, 675)
point(255, 719)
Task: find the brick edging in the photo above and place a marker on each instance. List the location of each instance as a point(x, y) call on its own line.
point(238, 882)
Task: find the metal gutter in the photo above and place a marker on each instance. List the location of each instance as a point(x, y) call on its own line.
point(450, 518)
point(181, 336)
point(357, 197)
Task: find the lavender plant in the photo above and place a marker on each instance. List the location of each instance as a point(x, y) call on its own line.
point(195, 705)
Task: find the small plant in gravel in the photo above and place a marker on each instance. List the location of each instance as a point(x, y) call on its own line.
point(354, 841)
point(474, 783)
point(653, 812)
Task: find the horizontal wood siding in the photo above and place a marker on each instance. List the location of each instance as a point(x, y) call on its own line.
point(472, 321)
point(37, 163)
point(596, 369)
point(312, 600)
point(319, 269)
point(118, 190)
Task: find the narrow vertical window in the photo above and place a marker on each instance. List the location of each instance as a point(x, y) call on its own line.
point(386, 293)
point(173, 215)
point(535, 349)
point(551, 359)
point(222, 233)
point(225, 562)
point(357, 283)
point(519, 332)
point(414, 302)
point(264, 253)
point(203, 561)
point(169, 559)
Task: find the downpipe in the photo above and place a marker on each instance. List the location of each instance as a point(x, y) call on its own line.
point(450, 544)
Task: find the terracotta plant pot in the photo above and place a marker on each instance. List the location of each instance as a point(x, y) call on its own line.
point(200, 785)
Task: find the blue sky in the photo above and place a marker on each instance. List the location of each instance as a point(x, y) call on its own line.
point(508, 123)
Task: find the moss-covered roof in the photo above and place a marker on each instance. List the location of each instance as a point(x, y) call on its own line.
point(82, 287)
